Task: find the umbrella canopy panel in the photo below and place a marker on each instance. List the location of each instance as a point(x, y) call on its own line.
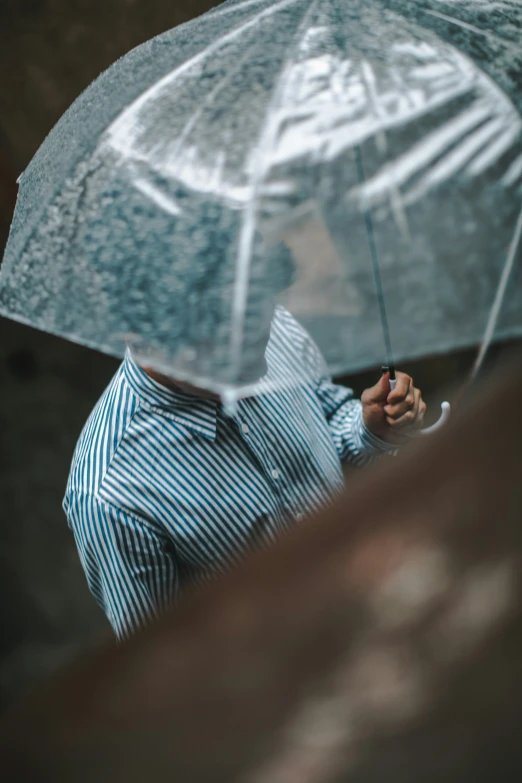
point(283, 152)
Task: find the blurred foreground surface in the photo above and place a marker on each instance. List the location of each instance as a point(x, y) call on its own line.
point(381, 641)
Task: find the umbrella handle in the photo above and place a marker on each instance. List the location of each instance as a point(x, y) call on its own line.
point(444, 416)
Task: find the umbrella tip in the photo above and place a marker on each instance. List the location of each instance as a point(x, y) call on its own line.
point(389, 368)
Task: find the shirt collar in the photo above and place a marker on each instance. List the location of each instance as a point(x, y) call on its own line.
point(196, 413)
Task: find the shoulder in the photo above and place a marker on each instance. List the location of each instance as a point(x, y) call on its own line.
point(285, 326)
point(89, 515)
point(104, 430)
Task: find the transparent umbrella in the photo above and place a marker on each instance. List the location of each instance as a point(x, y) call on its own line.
point(358, 163)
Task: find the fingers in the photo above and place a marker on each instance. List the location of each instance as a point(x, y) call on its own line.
point(380, 393)
point(397, 411)
point(402, 398)
point(422, 412)
point(403, 386)
point(377, 394)
point(408, 413)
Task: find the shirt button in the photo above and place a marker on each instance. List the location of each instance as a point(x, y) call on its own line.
point(245, 429)
point(299, 516)
point(275, 474)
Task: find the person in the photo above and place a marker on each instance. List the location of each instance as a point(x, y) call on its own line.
point(167, 489)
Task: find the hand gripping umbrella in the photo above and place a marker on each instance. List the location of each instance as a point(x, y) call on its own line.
point(390, 367)
point(292, 153)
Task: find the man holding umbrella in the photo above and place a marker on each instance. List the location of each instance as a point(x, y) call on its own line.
point(137, 224)
point(167, 490)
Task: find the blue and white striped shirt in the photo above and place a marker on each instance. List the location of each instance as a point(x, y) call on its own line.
point(166, 490)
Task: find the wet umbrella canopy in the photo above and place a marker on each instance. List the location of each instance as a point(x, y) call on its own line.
point(311, 153)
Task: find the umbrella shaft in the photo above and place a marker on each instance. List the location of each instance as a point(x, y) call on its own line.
point(376, 267)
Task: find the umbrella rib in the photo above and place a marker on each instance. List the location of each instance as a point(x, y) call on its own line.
point(235, 8)
point(499, 298)
point(118, 130)
point(473, 29)
point(190, 124)
point(376, 268)
point(248, 228)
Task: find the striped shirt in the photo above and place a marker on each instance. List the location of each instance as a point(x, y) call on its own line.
point(166, 490)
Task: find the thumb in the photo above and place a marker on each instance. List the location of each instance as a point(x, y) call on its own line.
point(379, 392)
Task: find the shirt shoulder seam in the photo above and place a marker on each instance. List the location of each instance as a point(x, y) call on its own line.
point(113, 506)
point(139, 405)
point(81, 490)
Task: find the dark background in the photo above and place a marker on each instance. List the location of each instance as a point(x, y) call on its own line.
point(50, 50)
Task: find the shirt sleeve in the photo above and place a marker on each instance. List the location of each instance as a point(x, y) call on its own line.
point(354, 443)
point(130, 569)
